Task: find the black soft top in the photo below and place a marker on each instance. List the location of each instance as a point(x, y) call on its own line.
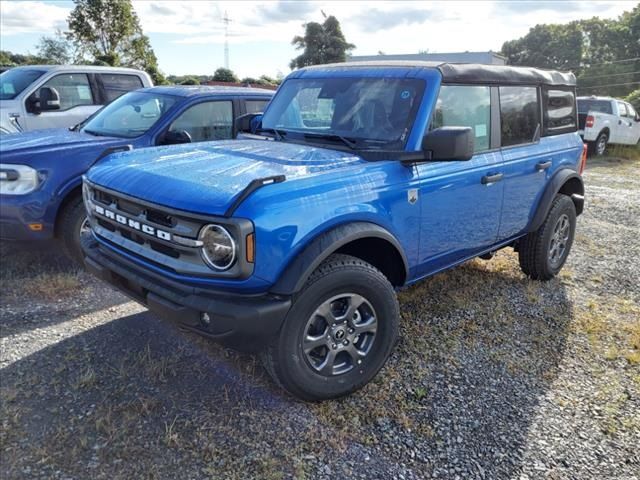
point(472, 72)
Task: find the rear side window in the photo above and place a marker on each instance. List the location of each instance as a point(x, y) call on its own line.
point(256, 106)
point(622, 108)
point(116, 84)
point(559, 111)
point(588, 105)
point(519, 115)
point(465, 106)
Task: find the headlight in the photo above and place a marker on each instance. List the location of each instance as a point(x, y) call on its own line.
point(17, 179)
point(218, 247)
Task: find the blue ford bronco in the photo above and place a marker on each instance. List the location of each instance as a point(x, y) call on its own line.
point(41, 171)
point(358, 179)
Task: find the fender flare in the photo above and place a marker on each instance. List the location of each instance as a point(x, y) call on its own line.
point(293, 278)
point(560, 178)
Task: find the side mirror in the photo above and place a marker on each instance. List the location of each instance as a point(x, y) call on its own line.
point(175, 137)
point(248, 123)
point(49, 99)
point(449, 143)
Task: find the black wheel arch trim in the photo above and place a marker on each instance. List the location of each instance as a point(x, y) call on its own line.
point(298, 271)
point(559, 180)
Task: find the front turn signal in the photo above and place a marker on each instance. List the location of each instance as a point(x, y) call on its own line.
point(251, 248)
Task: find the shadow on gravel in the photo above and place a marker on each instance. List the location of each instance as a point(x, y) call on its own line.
point(40, 287)
point(135, 398)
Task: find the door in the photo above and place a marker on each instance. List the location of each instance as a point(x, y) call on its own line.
point(461, 201)
point(635, 125)
point(624, 125)
point(77, 102)
point(206, 121)
point(527, 163)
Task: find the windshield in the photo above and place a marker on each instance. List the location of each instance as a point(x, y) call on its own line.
point(130, 115)
point(15, 80)
point(370, 112)
point(602, 106)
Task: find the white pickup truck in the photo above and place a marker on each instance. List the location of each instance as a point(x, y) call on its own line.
point(605, 120)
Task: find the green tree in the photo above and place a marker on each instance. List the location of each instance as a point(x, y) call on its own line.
point(634, 99)
point(225, 75)
point(322, 43)
point(190, 80)
point(110, 32)
point(601, 52)
point(55, 50)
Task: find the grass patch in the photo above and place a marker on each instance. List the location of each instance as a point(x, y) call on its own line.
point(627, 152)
point(37, 271)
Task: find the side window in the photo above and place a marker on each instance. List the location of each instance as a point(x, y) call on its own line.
point(465, 106)
point(255, 106)
point(116, 84)
point(519, 114)
point(559, 111)
point(206, 121)
point(73, 88)
point(631, 110)
point(622, 108)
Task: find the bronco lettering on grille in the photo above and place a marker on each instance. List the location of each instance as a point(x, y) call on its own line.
point(134, 224)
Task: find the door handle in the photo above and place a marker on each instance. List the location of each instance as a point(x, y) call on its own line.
point(543, 165)
point(619, 122)
point(487, 179)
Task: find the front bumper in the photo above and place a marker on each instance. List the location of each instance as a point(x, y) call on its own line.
point(235, 319)
point(18, 211)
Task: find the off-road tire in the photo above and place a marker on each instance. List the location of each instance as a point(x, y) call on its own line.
point(534, 249)
point(68, 229)
point(284, 357)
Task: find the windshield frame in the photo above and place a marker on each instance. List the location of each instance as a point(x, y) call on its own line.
point(107, 133)
point(360, 143)
point(16, 71)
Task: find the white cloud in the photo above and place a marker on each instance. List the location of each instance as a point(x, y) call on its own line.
point(32, 17)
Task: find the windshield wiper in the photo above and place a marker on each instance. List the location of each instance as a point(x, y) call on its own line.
point(94, 133)
point(332, 136)
point(278, 134)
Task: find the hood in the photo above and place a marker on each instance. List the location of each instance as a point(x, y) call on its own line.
point(58, 140)
point(205, 177)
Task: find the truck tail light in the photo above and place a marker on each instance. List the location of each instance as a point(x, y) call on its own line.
point(583, 159)
point(590, 121)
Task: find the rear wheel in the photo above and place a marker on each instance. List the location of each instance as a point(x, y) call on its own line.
point(543, 253)
point(339, 332)
point(73, 230)
point(599, 147)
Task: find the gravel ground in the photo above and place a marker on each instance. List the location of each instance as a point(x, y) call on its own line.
point(495, 376)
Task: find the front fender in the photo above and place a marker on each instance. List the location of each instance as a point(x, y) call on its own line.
point(298, 271)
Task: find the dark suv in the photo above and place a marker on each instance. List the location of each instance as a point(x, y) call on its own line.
point(367, 177)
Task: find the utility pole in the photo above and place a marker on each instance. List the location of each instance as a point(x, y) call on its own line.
point(226, 21)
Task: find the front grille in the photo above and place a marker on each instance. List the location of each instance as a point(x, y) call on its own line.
point(164, 237)
point(122, 219)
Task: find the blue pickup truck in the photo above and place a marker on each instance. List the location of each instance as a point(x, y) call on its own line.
point(41, 171)
point(362, 178)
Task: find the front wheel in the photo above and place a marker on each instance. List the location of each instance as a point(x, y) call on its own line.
point(73, 230)
point(339, 332)
point(543, 253)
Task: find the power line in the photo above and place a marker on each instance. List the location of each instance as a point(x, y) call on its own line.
point(611, 85)
point(609, 75)
point(605, 63)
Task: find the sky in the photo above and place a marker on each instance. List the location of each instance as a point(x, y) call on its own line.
point(188, 36)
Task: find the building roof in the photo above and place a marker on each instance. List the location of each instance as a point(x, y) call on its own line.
point(470, 72)
point(491, 58)
point(191, 90)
